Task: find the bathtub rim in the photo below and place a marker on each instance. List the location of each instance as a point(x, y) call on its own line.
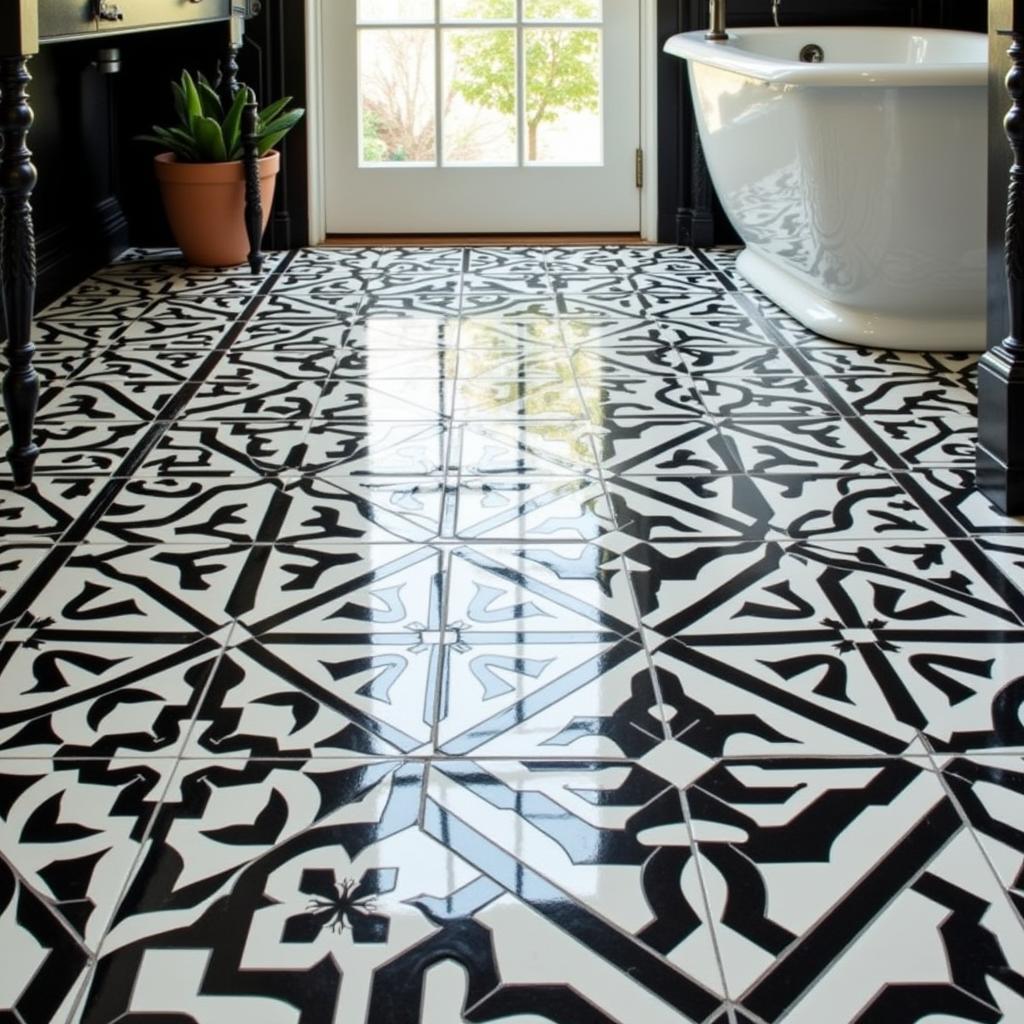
point(693, 46)
point(855, 326)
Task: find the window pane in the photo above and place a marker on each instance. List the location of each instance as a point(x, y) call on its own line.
point(394, 10)
point(562, 10)
point(563, 96)
point(396, 96)
point(480, 96)
point(478, 10)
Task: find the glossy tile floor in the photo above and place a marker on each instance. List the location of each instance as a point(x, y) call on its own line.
point(422, 637)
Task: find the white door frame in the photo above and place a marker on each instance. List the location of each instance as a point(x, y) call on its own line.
point(315, 120)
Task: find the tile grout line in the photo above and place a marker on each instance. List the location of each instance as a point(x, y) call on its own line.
point(31, 588)
point(684, 805)
point(951, 795)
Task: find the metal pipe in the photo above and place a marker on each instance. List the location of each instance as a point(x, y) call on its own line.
point(716, 19)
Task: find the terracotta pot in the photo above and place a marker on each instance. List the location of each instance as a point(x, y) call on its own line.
point(205, 205)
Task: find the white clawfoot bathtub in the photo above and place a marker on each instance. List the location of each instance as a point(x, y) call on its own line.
point(857, 184)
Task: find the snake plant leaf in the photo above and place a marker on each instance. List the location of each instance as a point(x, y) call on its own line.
point(207, 134)
point(233, 126)
point(187, 154)
point(211, 139)
point(276, 131)
point(212, 106)
point(270, 112)
point(182, 138)
point(177, 141)
point(179, 102)
point(193, 104)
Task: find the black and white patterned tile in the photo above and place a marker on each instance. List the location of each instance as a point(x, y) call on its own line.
point(109, 655)
point(70, 833)
point(392, 332)
point(544, 656)
point(82, 448)
point(532, 508)
point(484, 340)
point(46, 963)
point(643, 447)
point(268, 336)
point(395, 893)
point(137, 365)
point(520, 399)
point(874, 643)
point(526, 447)
point(503, 304)
point(763, 507)
point(989, 790)
point(646, 398)
point(524, 284)
point(909, 396)
point(376, 448)
point(953, 490)
point(893, 911)
point(48, 508)
point(211, 448)
point(762, 396)
point(799, 445)
point(108, 400)
point(323, 306)
point(368, 400)
point(505, 262)
point(338, 650)
point(516, 633)
point(929, 440)
point(743, 362)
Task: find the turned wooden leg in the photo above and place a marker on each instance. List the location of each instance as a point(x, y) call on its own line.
point(253, 199)
point(227, 81)
point(18, 264)
point(1000, 469)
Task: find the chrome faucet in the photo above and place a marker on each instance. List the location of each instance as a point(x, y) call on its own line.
point(716, 19)
point(776, 4)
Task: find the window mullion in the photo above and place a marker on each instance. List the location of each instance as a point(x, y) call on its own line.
point(438, 89)
point(521, 82)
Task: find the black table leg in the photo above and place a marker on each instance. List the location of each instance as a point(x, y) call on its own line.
point(227, 81)
point(18, 264)
point(253, 199)
point(1000, 469)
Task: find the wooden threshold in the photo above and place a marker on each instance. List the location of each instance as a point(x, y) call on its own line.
point(334, 241)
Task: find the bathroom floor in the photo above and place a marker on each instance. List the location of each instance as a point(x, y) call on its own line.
point(525, 635)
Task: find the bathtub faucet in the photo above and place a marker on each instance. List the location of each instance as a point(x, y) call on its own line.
point(716, 19)
point(776, 4)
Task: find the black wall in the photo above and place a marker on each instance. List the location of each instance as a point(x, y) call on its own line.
point(688, 211)
point(1000, 17)
point(79, 221)
point(96, 192)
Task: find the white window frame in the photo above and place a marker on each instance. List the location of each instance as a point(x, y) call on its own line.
point(315, 121)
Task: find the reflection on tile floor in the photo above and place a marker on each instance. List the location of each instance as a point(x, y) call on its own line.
point(547, 636)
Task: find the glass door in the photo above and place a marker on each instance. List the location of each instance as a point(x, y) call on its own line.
point(482, 115)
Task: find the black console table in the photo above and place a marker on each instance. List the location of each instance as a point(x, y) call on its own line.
point(24, 25)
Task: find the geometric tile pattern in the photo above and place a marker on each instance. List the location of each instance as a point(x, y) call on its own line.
point(552, 635)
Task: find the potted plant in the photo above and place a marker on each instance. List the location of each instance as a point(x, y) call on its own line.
point(202, 176)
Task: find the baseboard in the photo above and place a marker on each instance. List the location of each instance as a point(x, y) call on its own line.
point(485, 240)
point(695, 228)
point(69, 253)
